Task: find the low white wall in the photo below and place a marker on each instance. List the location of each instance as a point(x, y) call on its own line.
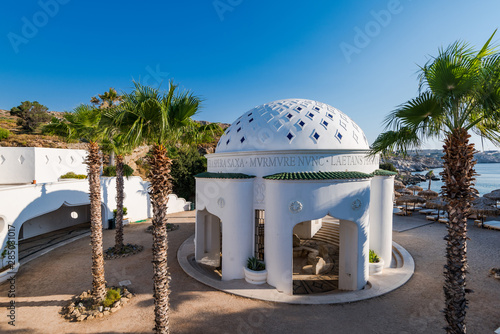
point(177, 204)
point(25, 164)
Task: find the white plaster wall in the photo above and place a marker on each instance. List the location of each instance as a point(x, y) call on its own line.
point(55, 220)
point(346, 200)
point(25, 164)
point(19, 204)
point(382, 188)
point(307, 229)
point(177, 204)
point(231, 200)
point(17, 165)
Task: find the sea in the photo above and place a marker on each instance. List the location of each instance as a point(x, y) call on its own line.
point(488, 178)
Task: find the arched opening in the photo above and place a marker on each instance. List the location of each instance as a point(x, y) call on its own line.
point(209, 243)
point(46, 230)
point(317, 255)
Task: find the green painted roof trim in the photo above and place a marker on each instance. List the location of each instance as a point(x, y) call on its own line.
point(383, 172)
point(210, 175)
point(318, 176)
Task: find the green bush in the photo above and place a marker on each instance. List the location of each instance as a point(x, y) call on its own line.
point(4, 133)
point(124, 212)
point(71, 175)
point(31, 115)
point(187, 162)
point(374, 257)
point(111, 171)
point(255, 264)
point(388, 166)
point(111, 297)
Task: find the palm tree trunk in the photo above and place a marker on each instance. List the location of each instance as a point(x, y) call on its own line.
point(458, 174)
point(160, 188)
point(94, 170)
point(119, 203)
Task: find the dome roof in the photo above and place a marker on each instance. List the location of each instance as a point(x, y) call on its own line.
point(293, 124)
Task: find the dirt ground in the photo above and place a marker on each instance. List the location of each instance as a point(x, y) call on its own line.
point(44, 285)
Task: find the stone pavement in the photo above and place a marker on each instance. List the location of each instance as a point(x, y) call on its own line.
point(45, 284)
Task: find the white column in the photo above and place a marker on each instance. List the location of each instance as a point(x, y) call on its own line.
point(237, 227)
point(381, 204)
point(278, 238)
point(353, 255)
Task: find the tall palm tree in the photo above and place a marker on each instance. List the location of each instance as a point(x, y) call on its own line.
point(459, 92)
point(107, 100)
point(120, 147)
point(160, 120)
point(83, 124)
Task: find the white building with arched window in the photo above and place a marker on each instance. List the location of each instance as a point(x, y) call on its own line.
point(286, 177)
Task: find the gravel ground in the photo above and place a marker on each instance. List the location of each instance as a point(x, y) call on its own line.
point(44, 285)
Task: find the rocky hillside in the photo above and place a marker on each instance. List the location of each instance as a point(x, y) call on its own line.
point(20, 139)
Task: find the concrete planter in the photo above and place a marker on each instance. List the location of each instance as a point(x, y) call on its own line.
point(255, 277)
point(376, 268)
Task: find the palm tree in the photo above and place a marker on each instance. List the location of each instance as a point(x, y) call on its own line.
point(120, 147)
point(429, 175)
point(459, 92)
point(107, 100)
point(83, 124)
point(159, 120)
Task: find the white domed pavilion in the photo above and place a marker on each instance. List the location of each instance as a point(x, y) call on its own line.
point(286, 177)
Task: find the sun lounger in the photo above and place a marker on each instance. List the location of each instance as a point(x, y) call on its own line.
point(426, 211)
point(493, 224)
point(432, 218)
point(443, 220)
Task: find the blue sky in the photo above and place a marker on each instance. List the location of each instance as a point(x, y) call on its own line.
point(360, 57)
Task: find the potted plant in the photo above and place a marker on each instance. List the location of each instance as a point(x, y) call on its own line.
point(255, 271)
point(125, 220)
point(376, 263)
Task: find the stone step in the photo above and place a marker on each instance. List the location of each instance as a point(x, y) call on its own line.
point(397, 258)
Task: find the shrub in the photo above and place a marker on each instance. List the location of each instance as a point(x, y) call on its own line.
point(111, 171)
point(71, 175)
point(255, 264)
point(374, 257)
point(388, 166)
point(187, 162)
point(31, 115)
point(124, 212)
point(111, 297)
point(4, 133)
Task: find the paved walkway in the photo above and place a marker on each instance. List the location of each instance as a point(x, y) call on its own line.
point(45, 284)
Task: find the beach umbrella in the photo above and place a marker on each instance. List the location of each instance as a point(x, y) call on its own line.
point(483, 206)
point(404, 191)
point(397, 194)
point(438, 203)
point(428, 193)
point(494, 195)
point(415, 188)
point(398, 184)
point(410, 199)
